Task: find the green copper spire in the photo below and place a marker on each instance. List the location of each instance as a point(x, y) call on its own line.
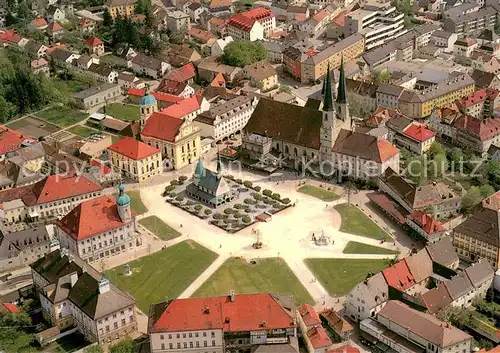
point(342, 89)
point(328, 96)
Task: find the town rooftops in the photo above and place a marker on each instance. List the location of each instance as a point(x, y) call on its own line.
point(159, 96)
point(479, 96)
point(113, 3)
point(246, 312)
point(201, 35)
point(318, 337)
point(364, 146)
point(436, 299)
point(442, 252)
point(398, 276)
point(424, 325)
point(147, 61)
point(333, 49)
point(420, 265)
point(182, 108)
point(133, 149)
point(479, 272)
point(493, 201)
point(458, 286)
point(483, 129)
point(260, 70)
point(428, 224)
point(91, 217)
point(183, 74)
point(98, 89)
point(11, 140)
point(483, 78)
point(93, 41)
point(309, 315)
point(483, 225)
point(419, 132)
point(163, 127)
point(245, 20)
point(374, 290)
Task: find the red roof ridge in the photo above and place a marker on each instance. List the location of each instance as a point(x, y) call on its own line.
point(133, 148)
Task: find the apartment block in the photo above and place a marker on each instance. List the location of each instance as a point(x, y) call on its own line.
point(471, 23)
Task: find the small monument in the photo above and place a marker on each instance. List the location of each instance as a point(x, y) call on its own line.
point(126, 270)
point(321, 240)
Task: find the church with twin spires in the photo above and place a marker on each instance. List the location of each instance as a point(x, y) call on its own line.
point(320, 136)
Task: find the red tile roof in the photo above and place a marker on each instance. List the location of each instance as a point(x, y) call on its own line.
point(217, 22)
point(309, 315)
point(39, 22)
point(91, 217)
point(104, 169)
point(245, 20)
point(484, 129)
point(182, 108)
point(93, 41)
point(218, 81)
point(248, 312)
point(320, 16)
point(340, 18)
point(398, 276)
point(54, 27)
point(11, 140)
point(10, 36)
point(163, 127)
point(318, 337)
point(344, 349)
point(132, 148)
point(50, 189)
point(160, 96)
point(419, 132)
point(11, 308)
point(220, 3)
point(259, 13)
point(426, 222)
point(386, 150)
point(183, 74)
point(479, 96)
point(200, 34)
point(172, 87)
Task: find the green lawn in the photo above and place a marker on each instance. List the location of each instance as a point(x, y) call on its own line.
point(354, 221)
point(320, 193)
point(164, 274)
point(353, 247)
point(137, 205)
point(122, 111)
point(339, 276)
point(162, 230)
point(267, 275)
point(62, 116)
point(83, 131)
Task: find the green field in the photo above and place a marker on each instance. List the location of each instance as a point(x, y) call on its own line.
point(353, 247)
point(319, 193)
point(339, 276)
point(83, 131)
point(62, 116)
point(164, 274)
point(354, 221)
point(122, 111)
point(136, 203)
point(267, 275)
point(159, 228)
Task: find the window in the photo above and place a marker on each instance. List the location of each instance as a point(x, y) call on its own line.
point(170, 346)
point(183, 335)
point(115, 325)
point(190, 344)
point(162, 346)
point(213, 334)
point(190, 335)
point(169, 336)
point(161, 337)
point(205, 344)
point(178, 345)
point(107, 328)
point(213, 343)
point(185, 345)
point(123, 323)
point(178, 336)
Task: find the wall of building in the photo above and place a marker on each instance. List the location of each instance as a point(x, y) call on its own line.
point(187, 341)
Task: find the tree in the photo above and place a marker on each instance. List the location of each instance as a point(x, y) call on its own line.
point(244, 52)
point(107, 20)
point(381, 77)
point(456, 157)
point(437, 148)
point(471, 198)
point(285, 88)
point(438, 165)
point(94, 349)
point(416, 169)
point(4, 110)
point(124, 346)
point(23, 11)
point(178, 37)
point(486, 190)
point(10, 20)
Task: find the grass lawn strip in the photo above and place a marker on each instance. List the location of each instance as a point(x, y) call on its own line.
point(159, 228)
point(62, 116)
point(123, 111)
point(83, 131)
point(267, 275)
point(354, 221)
point(164, 274)
point(319, 193)
point(353, 247)
point(339, 276)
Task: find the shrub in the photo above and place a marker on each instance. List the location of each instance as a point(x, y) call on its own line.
point(189, 203)
point(267, 192)
point(169, 188)
point(228, 210)
point(216, 215)
point(276, 196)
point(247, 184)
point(249, 202)
point(286, 200)
point(257, 188)
point(198, 207)
point(257, 197)
point(175, 182)
point(172, 194)
point(238, 206)
point(246, 219)
point(248, 210)
point(207, 211)
point(230, 177)
point(183, 178)
point(179, 198)
point(277, 205)
point(237, 215)
point(239, 181)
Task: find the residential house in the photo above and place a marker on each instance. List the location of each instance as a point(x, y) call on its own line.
point(477, 134)
point(135, 159)
point(480, 104)
point(149, 66)
point(85, 61)
point(411, 135)
point(463, 48)
point(128, 80)
point(87, 25)
point(217, 26)
point(97, 95)
point(436, 198)
point(98, 228)
point(55, 14)
point(179, 89)
point(443, 253)
point(367, 298)
point(274, 51)
point(220, 8)
point(483, 79)
point(95, 46)
point(121, 8)
point(308, 317)
point(73, 294)
point(363, 94)
point(399, 277)
point(252, 25)
point(338, 324)
point(35, 49)
point(55, 30)
point(471, 23)
point(217, 48)
point(53, 196)
point(203, 39)
point(403, 328)
point(245, 312)
point(62, 57)
point(180, 55)
point(38, 24)
point(11, 140)
point(442, 122)
point(40, 66)
point(445, 40)
point(479, 237)
point(178, 21)
point(209, 68)
point(103, 73)
point(426, 226)
point(21, 247)
point(195, 10)
point(317, 340)
point(262, 74)
point(319, 21)
point(186, 73)
point(228, 115)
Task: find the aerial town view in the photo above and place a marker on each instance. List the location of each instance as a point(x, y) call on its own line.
point(250, 176)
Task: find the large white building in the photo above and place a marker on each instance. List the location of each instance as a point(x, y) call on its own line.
point(252, 25)
point(228, 114)
point(98, 228)
point(378, 21)
point(73, 294)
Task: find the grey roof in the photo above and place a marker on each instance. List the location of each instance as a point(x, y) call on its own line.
point(273, 46)
point(399, 122)
point(98, 89)
point(373, 290)
point(60, 54)
point(443, 252)
point(211, 181)
point(458, 10)
point(361, 88)
point(100, 69)
point(458, 18)
point(479, 273)
point(224, 106)
point(31, 152)
point(33, 46)
point(458, 286)
point(483, 79)
point(420, 265)
point(483, 225)
point(442, 34)
point(390, 89)
point(147, 61)
point(13, 242)
point(335, 48)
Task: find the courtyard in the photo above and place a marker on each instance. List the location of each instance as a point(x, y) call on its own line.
point(354, 221)
point(164, 274)
point(254, 276)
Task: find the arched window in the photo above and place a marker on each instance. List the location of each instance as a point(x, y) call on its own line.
point(295, 151)
point(286, 150)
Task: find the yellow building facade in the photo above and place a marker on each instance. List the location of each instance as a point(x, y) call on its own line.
point(121, 8)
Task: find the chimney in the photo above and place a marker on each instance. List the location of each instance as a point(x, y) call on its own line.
point(73, 278)
point(103, 285)
point(263, 323)
point(231, 295)
point(206, 310)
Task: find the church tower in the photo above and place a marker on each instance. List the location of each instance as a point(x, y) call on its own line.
point(328, 124)
point(342, 105)
point(147, 105)
point(123, 204)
